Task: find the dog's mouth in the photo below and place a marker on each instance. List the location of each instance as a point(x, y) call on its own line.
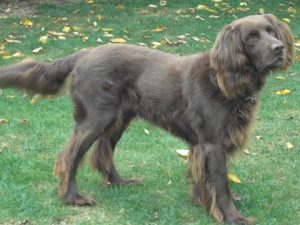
point(275, 64)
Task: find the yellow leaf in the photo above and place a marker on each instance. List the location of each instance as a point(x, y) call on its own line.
point(37, 50)
point(289, 146)
point(85, 38)
point(89, 1)
point(54, 33)
point(43, 39)
point(243, 4)
point(118, 40)
point(206, 8)
point(292, 10)
point(66, 29)
point(146, 131)
point(283, 92)
point(261, 11)
point(26, 22)
point(242, 9)
point(160, 28)
point(183, 152)
point(155, 44)
point(77, 29)
point(297, 43)
point(232, 177)
point(18, 54)
point(109, 30)
point(120, 6)
point(100, 17)
point(217, 1)
point(280, 78)
point(287, 20)
point(35, 99)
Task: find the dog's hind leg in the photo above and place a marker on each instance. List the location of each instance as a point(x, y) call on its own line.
point(102, 157)
point(87, 130)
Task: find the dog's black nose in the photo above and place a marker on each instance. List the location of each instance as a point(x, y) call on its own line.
point(277, 47)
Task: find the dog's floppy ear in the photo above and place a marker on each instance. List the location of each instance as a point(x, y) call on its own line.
point(285, 35)
point(228, 59)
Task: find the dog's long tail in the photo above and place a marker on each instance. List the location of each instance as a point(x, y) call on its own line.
point(43, 78)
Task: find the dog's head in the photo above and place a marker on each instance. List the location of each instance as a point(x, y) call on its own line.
point(259, 43)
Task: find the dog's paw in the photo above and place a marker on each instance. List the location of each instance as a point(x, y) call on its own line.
point(79, 200)
point(239, 219)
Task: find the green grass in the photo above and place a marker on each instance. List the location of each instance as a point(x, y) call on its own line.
point(28, 190)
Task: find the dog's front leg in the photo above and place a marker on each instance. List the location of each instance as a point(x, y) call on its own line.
point(210, 184)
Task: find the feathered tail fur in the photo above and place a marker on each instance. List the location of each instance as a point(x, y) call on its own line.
point(43, 78)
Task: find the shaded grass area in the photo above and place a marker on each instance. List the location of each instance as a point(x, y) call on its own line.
point(35, 133)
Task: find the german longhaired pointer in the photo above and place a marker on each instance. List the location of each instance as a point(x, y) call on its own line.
point(207, 99)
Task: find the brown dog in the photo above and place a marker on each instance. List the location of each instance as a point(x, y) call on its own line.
point(206, 99)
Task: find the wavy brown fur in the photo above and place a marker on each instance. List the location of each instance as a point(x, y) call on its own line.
point(208, 100)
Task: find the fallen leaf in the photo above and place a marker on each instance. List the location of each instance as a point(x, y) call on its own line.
point(43, 39)
point(54, 33)
point(77, 29)
point(120, 6)
point(283, 92)
point(37, 50)
point(99, 40)
point(155, 44)
point(243, 4)
point(292, 10)
point(35, 99)
point(117, 40)
point(84, 38)
point(152, 6)
point(26, 22)
point(206, 8)
point(280, 78)
point(246, 151)
point(158, 29)
point(109, 30)
point(183, 152)
point(24, 121)
point(3, 121)
point(12, 41)
point(146, 131)
point(100, 17)
point(297, 43)
point(258, 137)
point(261, 11)
point(217, 1)
point(10, 96)
point(287, 20)
point(232, 177)
point(66, 29)
point(242, 9)
point(18, 54)
point(289, 146)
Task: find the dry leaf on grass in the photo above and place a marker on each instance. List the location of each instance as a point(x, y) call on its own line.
point(232, 177)
point(3, 121)
point(26, 22)
point(283, 92)
point(117, 40)
point(37, 50)
point(183, 152)
point(289, 146)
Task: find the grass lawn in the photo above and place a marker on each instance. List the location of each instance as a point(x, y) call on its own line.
point(33, 131)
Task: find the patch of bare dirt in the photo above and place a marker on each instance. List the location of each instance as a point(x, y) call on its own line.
point(20, 8)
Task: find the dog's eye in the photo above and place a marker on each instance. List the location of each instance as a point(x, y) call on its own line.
point(271, 31)
point(254, 35)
